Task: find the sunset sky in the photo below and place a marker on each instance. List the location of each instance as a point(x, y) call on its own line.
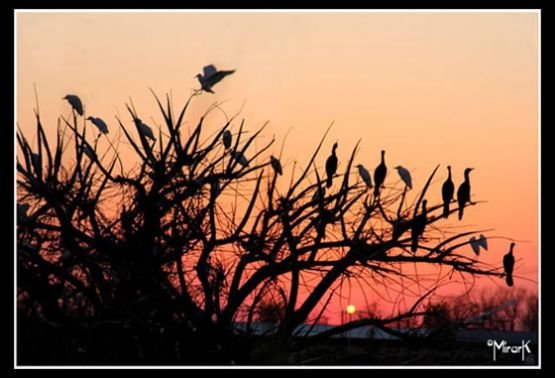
point(429, 88)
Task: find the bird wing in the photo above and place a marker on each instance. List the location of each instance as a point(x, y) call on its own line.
point(475, 246)
point(209, 70)
point(483, 242)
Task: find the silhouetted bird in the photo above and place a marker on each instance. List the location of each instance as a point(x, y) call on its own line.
point(238, 155)
point(379, 175)
point(447, 191)
point(75, 103)
point(483, 242)
point(463, 194)
point(365, 175)
point(144, 129)
point(99, 123)
point(227, 139)
point(211, 77)
point(276, 165)
point(89, 152)
point(475, 244)
point(508, 265)
point(405, 175)
point(418, 226)
point(331, 165)
point(319, 194)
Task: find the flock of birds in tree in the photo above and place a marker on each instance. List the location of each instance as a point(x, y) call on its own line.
point(211, 76)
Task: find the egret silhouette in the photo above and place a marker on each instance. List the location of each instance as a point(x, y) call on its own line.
point(365, 175)
point(463, 194)
point(211, 77)
point(276, 165)
point(99, 123)
point(75, 103)
point(405, 175)
point(379, 175)
point(483, 242)
point(508, 265)
point(144, 129)
point(447, 191)
point(227, 139)
point(475, 244)
point(418, 226)
point(331, 165)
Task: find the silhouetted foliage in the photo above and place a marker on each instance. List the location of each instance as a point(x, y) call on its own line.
point(156, 262)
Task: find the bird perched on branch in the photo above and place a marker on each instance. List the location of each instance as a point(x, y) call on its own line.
point(226, 136)
point(483, 242)
point(331, 166)
point(238, 155)
point(144, 129)
point(75, 103)
point(508, 265)
point(211, 77)
point(379, 175)
point(447, 191)
point(276, 165)
point(319, 194)
point(99, 123)
point(463, 194)
point(475, 244)
point(418, 226)
point(405, 175)
point(365, 175)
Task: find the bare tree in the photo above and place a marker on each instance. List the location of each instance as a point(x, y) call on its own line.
point(196, 237)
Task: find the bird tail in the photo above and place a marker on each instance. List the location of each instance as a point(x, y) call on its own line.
point(329, 181)
point(509, 280)
point(461, 211)
point(446, 210)
point(376, 190)
point(414, 245)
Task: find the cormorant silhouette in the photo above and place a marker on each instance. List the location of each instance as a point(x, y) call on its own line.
point(447, 191)
point(379, 175)
point(475, 244)
point(463, 194)
point(418, 226)
point(331, 166)
point(75, 103)
point(508, 265)
point(276, 165)
point(483, 242)
point(227, 139)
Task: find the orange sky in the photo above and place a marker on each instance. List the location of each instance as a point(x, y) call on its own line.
point(429, 88)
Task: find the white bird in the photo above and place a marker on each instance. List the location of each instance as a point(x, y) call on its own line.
point(99, 123)
point(238, 155)
point(363, 172)
point(405, 175)
point(89, 152)
point(227, 139)
point(276, 165)
point(475, 244)
point(145, 129)
point(75, 103)
point(211, 77)
point(483, 242)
